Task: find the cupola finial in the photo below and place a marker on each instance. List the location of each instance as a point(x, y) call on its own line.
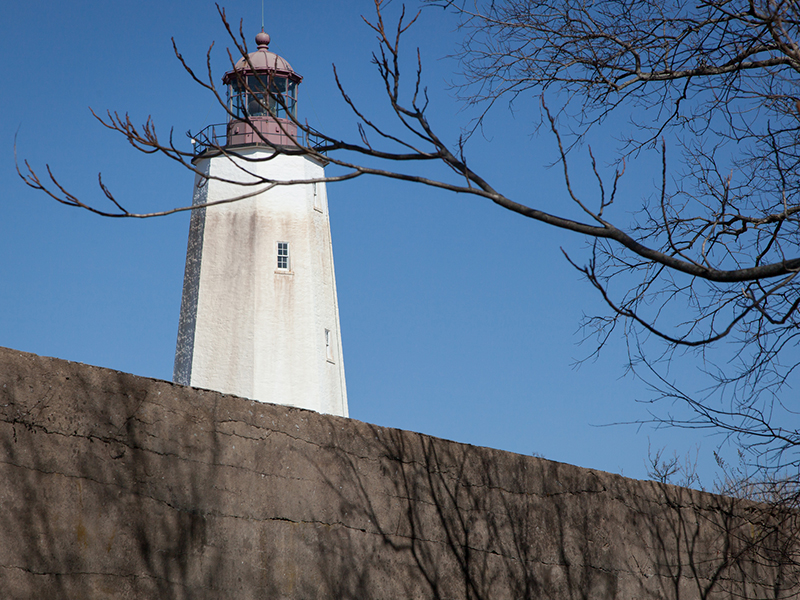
point(262, 40)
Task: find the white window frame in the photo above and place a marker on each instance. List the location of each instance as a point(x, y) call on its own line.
point(283, 258)
point(329, 345)
point(317, 197)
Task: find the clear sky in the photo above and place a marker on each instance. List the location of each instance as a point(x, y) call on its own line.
point(459, 319)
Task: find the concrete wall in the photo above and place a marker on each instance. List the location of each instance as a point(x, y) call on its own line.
point(115, 486)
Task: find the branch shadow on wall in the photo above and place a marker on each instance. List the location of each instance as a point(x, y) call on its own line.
point(710, 546)
point(118, 487)
point(441, 520)
point(97, 501)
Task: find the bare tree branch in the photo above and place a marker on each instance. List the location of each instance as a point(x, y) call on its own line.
point(713, 87)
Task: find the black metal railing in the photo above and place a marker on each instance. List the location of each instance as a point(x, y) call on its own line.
point(210, 137)
point(215, 136)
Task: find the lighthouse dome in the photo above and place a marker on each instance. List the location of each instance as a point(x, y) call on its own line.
point(262, 60)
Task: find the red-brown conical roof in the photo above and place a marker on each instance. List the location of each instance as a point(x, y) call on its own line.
point(263, 60)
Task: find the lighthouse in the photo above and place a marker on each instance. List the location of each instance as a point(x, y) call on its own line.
point(259, 312)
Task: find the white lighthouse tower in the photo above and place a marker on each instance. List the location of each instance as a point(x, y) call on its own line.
point(259, 313)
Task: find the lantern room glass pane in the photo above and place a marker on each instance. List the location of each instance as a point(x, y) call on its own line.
point(280, 102)
point(278, 89)
point(291, 98)
point(257, 83)
point(236, 99)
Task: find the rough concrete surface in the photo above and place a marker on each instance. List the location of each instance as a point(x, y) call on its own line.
point(116, 486)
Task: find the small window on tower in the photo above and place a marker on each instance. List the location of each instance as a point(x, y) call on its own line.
point(283, 255)
point(317, 199)
point(328, 345)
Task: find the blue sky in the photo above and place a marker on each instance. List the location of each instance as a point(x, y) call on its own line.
point(459, 319)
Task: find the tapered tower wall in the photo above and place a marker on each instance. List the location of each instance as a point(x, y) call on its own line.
point(259, 315)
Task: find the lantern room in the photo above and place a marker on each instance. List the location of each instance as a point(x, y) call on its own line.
point(262, 98)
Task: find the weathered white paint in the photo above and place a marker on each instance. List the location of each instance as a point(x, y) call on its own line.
point(247, 327)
